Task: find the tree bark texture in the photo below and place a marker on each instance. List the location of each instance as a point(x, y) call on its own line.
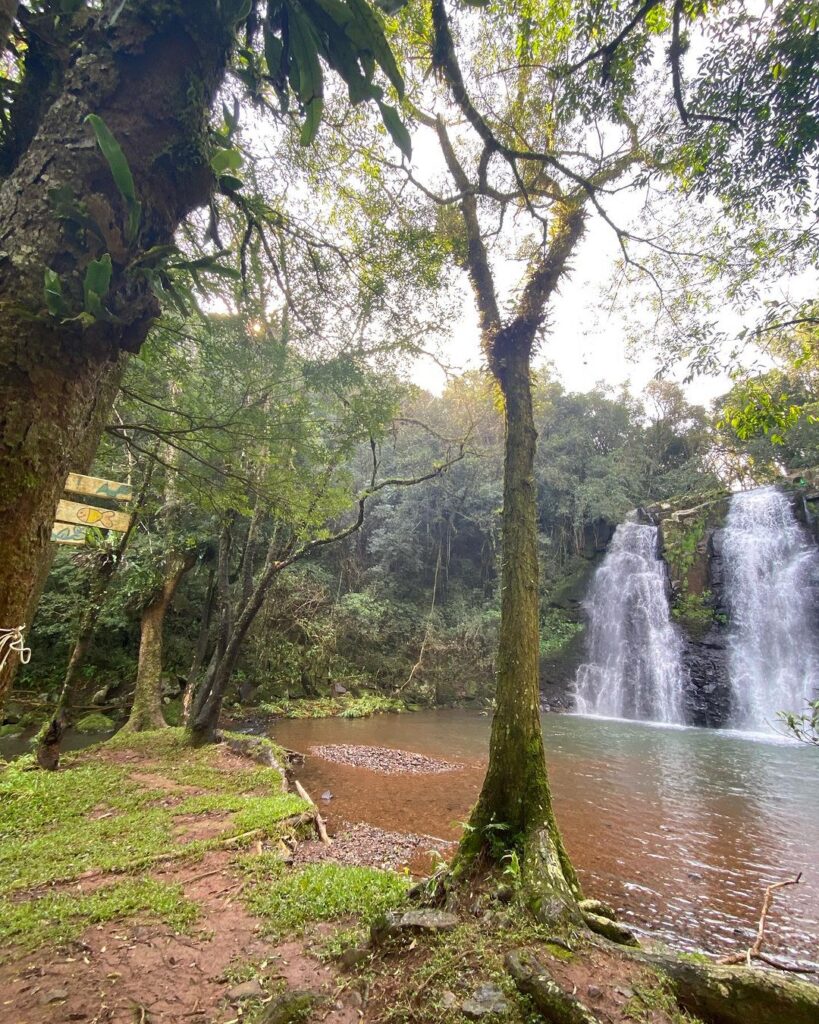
point(152, 78)
point(146, 709)
point(514, 809)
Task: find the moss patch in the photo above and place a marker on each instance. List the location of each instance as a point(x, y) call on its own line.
point(95, 722)
point(331, 707)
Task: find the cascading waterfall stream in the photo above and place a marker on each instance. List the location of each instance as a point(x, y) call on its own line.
point(772, 583)
point(635, 668)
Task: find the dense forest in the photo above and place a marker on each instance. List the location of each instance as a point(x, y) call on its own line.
point(306, 544)
point(411, 596)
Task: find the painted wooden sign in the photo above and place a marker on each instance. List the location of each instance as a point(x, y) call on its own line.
point(90, 515)
point(66, 533)
point(95, 487)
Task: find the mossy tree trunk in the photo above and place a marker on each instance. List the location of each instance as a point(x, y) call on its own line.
point(151, 76)
point(514, 811)
point(146, 709)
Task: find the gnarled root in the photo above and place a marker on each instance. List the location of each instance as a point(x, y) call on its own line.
point(722, 994)
point(532, 978)
point(551, 896)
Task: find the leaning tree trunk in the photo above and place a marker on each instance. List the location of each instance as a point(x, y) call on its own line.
point(49, 740)
point(516, 799)
point(146, 710)
point(151, 77)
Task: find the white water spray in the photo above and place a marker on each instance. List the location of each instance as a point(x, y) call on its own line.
point(635, 668)
point(772, 582)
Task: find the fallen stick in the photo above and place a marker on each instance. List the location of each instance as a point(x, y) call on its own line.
point(320, 826)
point(754, 952)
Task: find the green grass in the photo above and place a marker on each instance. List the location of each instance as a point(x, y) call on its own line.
point(90, 816)
point(288, 899)
point(331, 707)
point(56, 919)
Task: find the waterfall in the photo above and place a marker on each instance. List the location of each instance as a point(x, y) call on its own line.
point(772, 582)
point(635, 667)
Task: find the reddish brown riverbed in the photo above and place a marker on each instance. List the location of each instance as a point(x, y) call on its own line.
point(681, 829)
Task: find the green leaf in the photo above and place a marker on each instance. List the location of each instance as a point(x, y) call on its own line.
point(117, 161)
point(397, 129)
point(273, 52)
point(312, 121)
point(305, 47)
point(120, 171)
point(224, 160)
point(367, 32)
point(230, 183)
point(208, 264)
point(337, 10)
point(53, 291)
point(96, 284)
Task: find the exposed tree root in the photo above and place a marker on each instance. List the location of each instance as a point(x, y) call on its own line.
point(729, 994)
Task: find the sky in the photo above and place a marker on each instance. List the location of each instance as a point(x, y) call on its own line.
point(584, 345)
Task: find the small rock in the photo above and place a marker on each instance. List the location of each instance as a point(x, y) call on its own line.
point(54, 995)
point(448, 1000)
point(355, 999)
point(625, 992)
point(247, 990)
point(352, 957)
point(327, 795)
point(485, 1000)
point(505, 894)
point(594, 992)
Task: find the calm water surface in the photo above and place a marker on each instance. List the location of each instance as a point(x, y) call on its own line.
point(680, 829)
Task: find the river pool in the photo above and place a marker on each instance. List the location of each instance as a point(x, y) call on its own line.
point(681, 829)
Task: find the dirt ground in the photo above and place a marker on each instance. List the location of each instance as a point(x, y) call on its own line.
point(140, 972)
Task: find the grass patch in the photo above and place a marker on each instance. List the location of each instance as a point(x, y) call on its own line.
point(345, 706)
point(91, 815)
point(56, 919)
point(287, 899)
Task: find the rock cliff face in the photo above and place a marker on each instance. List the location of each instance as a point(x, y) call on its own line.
point(691, 544)
point(558, 668)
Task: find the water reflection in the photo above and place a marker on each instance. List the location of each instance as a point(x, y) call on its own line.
point(681, 829)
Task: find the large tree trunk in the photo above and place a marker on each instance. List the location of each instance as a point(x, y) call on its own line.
point(146, 710)
point(515, 802)
point(151, 78)
point(514, 811)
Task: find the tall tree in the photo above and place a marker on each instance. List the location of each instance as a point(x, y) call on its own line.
point(526, 152)
point(105, 148)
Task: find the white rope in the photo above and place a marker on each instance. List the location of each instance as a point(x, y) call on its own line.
point(12, 640)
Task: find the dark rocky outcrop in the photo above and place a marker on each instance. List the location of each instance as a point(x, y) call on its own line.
point(558, 668)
